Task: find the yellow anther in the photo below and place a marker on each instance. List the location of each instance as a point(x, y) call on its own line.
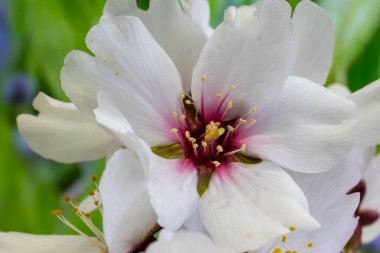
point(216, 163)
point(182, 96)
point(182, 117)
point(195, 145)
point(277, 250)
point(310, 244)
point(174, 130)
point(219, 148)
point(96, 202)
point(75, 210)
point(288, 251)
point(67, 199)
point(233, 87)
point(229, 105)
point(94, 179)
point(57, 212)
point(283, 239)
point(191, 139)
point(203, 78)
point(204, 144)
point(252, 121)
point(230, 128)
point(75, 203)
point(242, 121)
point(294, 251)
point(91, 193)
point(187, 133)
point(292, 229)
point(219, 95)
point(243, 147)
point(174, 114)
point(253, 110)
point(213, 131)
point(188, 102)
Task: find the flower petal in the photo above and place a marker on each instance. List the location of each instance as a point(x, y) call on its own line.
point(181, 37)
point(132, 69)
point(127, 213)
point(245, 206)
point(62, 133)
point(340, 89)
point(20, 243)
point(199, 11)
point(254, 50)
point(372, 198)
point(330, 206)
point(314, 31)
point(307, 129)
point(173, 190)
point(187, 242)
point(368, 118)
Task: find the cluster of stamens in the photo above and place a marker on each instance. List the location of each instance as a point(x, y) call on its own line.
point(83, 216)
point(210, 141)
point(283, 248)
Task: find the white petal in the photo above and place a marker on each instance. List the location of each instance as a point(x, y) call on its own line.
point(340, 89)
point(181, 37)
point(187, 242)
point(332, 208)
point(127, 213)
point(173, 190)
point(314, 31)
point(254, 50)
point(195, 224)
point(306, 129)
point(62, 133)
point(27, 243)
point(371, 199)
point(132, 69)
point(245, 206)
point(368, 119)
point(199, 11)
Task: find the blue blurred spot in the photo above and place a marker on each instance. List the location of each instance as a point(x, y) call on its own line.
point(373, 246)
point(19, 90)
point(4, 35)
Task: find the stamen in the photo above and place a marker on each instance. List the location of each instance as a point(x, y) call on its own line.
point(283, 239)
point(219, 149)
point(292, 229)
point(203, 78)
point(188, 102)
point(216, 163)
point(242, 121)
point(229, 105)
point(243, 147)
point(182, 96)
point(187, 133)
point(174, 130)
point(310, 244)
point(59, 214)
point(219, 95)
point(204, 144)
point(253, 110)
point(252, 121)
point(192, 139)
point(182, 117)
point(174, 114)
point(230, 128)
point(278, 250)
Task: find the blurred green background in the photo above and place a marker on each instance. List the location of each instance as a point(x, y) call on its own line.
point(35, 36)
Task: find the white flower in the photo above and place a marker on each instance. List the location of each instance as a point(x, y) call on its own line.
point(367, 135)
point(247, 119)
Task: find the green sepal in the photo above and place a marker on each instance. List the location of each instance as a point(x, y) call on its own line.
point(173, 151)
point(204, 177)
point(241, 158)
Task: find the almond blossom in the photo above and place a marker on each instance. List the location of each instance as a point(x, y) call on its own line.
point(362, 156)
point(217, 136)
